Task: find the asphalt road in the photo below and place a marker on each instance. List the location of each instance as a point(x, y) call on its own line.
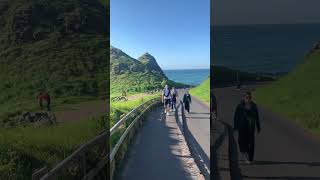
point(283, 149)
point(198, 133)
point(159, 151)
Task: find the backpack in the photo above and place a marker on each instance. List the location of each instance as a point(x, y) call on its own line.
point(166, 92)
point(174, 94)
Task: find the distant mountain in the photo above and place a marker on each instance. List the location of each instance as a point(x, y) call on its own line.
point(151, 64)
point(135, 75)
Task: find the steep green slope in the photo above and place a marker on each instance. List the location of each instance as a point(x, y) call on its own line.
point(202, 91)
point(297, 94)
point(57, 46)
point(52, 45)
point(132, 75)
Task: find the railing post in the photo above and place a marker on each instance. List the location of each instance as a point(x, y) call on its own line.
point(38, 174)
point(83, 164)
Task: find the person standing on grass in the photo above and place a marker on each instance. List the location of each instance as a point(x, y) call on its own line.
point(166, 99)
point(44, 101)
point(246, 120)
point(174, 94)
point(187, 101)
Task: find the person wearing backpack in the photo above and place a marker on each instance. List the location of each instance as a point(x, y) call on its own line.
point(187, 101)
point(246, 121)
point(174, 94)
point(166, 98)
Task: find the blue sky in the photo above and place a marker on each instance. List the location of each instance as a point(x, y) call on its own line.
point(176, 32)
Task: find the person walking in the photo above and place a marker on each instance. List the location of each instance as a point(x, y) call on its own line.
point(174, 95)
point(213, 105)
point(187, 101)
point(166, 99)
point(246, 121)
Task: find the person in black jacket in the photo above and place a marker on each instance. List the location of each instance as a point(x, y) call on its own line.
point(187, 101)
point(246, 121)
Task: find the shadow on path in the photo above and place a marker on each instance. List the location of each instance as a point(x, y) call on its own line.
point(235, 171)
point(215, 170)
point(196, 150)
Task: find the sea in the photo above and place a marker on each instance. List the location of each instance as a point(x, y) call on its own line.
point(262, 48)
point(188, 76)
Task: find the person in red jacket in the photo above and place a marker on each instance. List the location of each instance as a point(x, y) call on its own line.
point(44, 100)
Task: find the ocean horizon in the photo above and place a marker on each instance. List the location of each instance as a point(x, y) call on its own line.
point(263, 48)
point(192, 77)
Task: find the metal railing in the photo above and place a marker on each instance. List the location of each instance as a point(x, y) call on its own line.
point(78, 159)
point(135, 115)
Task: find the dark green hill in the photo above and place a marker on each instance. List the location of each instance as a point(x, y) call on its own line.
point(135, 75)
point(151, 64)
point(53, 45)
point(296, 95)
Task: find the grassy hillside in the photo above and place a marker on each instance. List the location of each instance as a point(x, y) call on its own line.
point(297, 94)
point(52, 45)
point(55, 46)
point(23, 150)
point(202, 91)
point(135, 75)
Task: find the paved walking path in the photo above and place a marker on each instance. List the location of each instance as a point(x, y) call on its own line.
point(160, 151)
point(198, 133)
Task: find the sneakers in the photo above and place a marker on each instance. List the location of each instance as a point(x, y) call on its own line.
point(167, 113)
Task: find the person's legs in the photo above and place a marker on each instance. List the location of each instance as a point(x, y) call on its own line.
point(251, 147)
point(172, 101)
point(242, 141)
point(167, 106)
point(173, 106)
point(187, 107)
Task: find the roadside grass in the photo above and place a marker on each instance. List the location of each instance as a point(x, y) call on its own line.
point(296, 95)
point(118, 109)
point(25, 149)
point(123, 107)
point(202, 91)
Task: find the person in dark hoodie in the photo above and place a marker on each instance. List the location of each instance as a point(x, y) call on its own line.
point(187, 101)
point(246, 121)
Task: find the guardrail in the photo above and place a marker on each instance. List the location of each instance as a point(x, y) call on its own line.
point(119, 149)
point(77, 165)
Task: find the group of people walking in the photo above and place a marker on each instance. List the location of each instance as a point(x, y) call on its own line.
point(170, 97)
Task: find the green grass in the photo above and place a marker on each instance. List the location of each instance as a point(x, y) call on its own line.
point(70, 62)
point(22, 150)
point(138, 82)
point(296, 95)
point(117, 109)
point(123, 107)
point(202, 91)
point(64, 64)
